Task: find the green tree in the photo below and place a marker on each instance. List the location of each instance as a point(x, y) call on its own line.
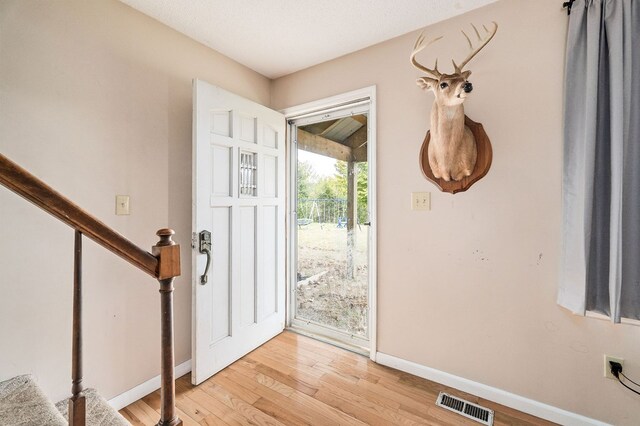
point(332, 186)
point(307, 179)
point(339, 182)
point(362, 189)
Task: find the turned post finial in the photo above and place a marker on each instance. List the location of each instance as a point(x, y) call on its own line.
point(165, 237)
point(168, 254)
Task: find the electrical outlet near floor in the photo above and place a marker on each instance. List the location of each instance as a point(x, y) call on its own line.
point(607, 366)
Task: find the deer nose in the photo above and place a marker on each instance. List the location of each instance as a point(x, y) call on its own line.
point(468, 87)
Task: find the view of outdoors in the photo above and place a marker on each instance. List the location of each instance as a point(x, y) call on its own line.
point(331, 290)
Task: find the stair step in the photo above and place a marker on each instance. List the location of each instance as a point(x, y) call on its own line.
point(23, 403)
point(99, 412)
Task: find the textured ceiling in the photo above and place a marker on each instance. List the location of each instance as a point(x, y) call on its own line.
point(278, 37)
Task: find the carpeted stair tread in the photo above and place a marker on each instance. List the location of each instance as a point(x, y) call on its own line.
point(99, 412)
point(23, 403)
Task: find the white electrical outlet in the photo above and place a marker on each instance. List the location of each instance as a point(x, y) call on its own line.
point(607, 366)
point(420, 201)
point(122, 205)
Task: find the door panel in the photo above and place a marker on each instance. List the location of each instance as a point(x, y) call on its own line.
point(247, 265)
point(221, 280)
point(221, 174)
point(238, 195)
point(269, 293)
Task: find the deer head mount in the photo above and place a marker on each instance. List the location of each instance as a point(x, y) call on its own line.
point(452, 148)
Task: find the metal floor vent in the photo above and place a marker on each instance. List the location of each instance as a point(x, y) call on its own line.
point(465, 408)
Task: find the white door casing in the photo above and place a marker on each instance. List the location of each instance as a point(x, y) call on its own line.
point(329, 106)
point(239, 196)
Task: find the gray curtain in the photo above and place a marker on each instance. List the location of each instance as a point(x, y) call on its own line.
point(600, 268)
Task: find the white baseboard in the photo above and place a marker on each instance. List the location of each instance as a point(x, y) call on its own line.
point(500, 396)
point(144, 389)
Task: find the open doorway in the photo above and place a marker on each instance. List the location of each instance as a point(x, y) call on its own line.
point(331, 233)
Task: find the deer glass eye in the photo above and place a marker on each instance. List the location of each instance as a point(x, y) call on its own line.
point(444, 85)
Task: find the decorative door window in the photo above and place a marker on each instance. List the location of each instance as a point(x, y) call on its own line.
point(248, 173)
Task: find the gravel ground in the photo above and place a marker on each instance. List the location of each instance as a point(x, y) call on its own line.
point(325, 294)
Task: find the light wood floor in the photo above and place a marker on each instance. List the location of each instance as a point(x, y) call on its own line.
point(294, 380)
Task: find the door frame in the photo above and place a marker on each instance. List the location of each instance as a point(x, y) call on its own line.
point(366, 94)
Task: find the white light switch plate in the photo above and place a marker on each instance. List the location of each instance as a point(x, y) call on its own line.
point(420, 201)
point(122, 205)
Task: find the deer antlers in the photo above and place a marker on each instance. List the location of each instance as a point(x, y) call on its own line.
point(474, 51)
point(418, 47)
point(421, 45)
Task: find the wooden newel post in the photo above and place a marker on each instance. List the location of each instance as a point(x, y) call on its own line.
point(168, 254)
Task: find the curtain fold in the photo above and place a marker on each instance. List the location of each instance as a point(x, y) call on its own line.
point(600, 266)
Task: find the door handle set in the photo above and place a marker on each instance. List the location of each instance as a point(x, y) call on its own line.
point(204, 247)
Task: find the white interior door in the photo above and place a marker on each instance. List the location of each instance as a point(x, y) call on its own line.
point(239, 196)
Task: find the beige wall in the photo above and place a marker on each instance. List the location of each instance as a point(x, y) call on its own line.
point(95, 98)
point(469, 287)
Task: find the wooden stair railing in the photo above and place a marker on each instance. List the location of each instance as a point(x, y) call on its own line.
point(163, 263)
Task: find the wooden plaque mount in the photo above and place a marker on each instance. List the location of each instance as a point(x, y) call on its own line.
point(483, 160)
